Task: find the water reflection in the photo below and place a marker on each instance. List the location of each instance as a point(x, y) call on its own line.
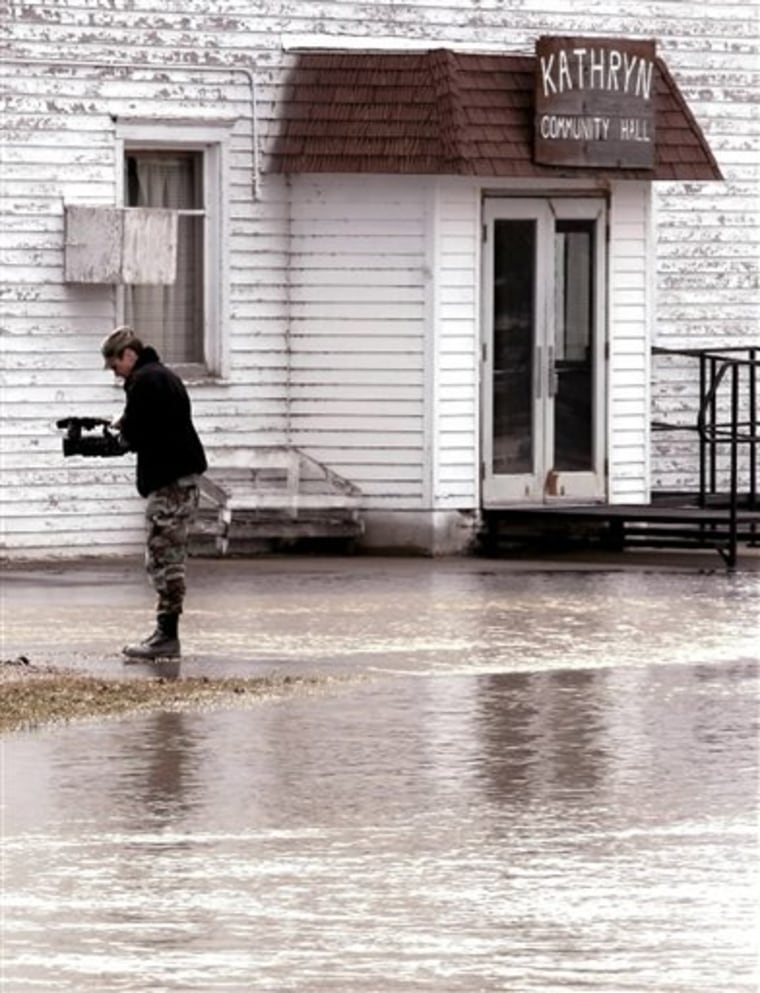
point(643, 743)
point(547, 736)
point(547, 784)
point(546, 831)
point(160, 779)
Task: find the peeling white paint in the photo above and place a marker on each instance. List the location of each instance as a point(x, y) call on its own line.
point(328, 314)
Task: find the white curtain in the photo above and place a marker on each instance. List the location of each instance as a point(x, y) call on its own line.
point(169, 317)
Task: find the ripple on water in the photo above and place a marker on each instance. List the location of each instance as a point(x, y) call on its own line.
point(503, 818)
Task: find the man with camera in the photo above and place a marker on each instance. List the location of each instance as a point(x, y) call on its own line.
point(157, 425)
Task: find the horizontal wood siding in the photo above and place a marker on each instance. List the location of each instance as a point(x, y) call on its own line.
point(454, 233)
point(707, 235)
point(333, 354)
point(59, 147)
point(356, 336)
point(629, 296)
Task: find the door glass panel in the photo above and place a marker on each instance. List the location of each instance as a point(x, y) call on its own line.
point(574, 342)
point(513, 325)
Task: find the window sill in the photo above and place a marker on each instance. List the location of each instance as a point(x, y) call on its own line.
point(203, 379)
point(191, 375)
point(194, 374)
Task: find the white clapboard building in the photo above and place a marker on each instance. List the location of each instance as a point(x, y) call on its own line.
point(422, 253)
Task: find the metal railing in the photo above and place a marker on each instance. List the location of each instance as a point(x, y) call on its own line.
point(726, 420)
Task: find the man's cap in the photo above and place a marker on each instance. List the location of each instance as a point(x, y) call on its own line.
point(119, 339)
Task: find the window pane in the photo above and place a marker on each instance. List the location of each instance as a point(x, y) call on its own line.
point(170, 317)
point(574, 316)
point(513, 330)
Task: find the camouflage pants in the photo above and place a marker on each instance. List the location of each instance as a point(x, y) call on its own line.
point(169, 513)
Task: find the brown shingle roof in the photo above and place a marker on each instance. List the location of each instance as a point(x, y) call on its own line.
point(447, 113)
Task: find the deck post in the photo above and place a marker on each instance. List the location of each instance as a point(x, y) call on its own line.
point(734, 495)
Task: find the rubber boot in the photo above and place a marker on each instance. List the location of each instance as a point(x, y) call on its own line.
point(162, 644)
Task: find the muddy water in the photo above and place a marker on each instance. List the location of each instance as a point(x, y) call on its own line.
point(542, 782)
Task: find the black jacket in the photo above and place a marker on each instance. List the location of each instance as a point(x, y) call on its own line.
point(157, 424)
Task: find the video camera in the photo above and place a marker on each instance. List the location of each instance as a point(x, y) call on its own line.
point(83, 438)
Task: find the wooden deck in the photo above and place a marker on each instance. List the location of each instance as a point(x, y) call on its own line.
point(672, 522)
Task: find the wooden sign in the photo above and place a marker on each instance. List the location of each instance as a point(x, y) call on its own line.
point(595, 101)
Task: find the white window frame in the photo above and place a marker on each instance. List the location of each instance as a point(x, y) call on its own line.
point(211, 138)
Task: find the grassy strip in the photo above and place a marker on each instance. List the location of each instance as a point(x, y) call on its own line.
point(49, 697)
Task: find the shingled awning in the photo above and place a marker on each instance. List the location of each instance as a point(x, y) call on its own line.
point(447, 113)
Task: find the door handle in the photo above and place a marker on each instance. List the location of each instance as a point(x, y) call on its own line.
point(538, 372)
point(551, 373)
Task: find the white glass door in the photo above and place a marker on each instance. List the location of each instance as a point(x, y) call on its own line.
point(543, 350)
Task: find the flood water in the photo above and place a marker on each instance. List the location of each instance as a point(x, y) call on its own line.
point(537, 782)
